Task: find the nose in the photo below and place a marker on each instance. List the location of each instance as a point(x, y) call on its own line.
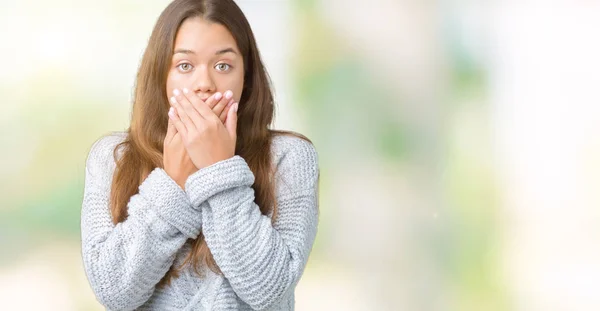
point(203, 81)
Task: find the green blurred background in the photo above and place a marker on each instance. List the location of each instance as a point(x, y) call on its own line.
point(458, 145)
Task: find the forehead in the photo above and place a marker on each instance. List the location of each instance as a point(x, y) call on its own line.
point(203, 36)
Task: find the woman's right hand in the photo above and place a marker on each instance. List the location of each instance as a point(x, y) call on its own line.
point(176, 161)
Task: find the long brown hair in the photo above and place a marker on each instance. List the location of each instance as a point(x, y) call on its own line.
point(143, 146)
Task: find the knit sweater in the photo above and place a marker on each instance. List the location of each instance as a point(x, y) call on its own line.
point(261, 261)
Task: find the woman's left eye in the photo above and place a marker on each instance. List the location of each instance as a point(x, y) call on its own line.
point(222, 67)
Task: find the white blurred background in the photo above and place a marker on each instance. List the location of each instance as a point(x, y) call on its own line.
point(459, 145)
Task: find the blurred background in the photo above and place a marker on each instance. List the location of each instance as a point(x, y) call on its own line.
point(459, 145)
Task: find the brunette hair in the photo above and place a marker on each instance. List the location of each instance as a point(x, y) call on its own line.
point(143, 145)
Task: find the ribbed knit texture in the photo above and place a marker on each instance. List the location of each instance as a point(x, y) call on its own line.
point(261, 262)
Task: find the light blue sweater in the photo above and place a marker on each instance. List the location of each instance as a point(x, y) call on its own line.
point(261, 262)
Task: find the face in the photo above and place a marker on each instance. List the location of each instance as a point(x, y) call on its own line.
point(206, 60)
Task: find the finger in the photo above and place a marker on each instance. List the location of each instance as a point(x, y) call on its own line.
point(181, 130)
point(176, 120)
point(213, 100)
point(227, 96)
point(201, 110)
point(194, 102)
point(192, 112)
point(171, 129)
point(225, 111)
point(231, 124)
point(182, 114)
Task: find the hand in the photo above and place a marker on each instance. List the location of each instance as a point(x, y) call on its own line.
point(220, 104)
point(176, 161)
point(206, 139)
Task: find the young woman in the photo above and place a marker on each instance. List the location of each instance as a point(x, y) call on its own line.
point(199, 205)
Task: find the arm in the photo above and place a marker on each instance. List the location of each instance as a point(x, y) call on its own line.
point(124, 262)
point(261, 261)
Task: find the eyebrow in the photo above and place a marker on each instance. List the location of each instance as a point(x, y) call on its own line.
point(220, 52)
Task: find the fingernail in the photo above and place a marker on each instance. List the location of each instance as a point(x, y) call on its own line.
point(218, 96)
point(185, 90)
point(173, 100)
point(235, 107)
point(171, 110)
point(228, 94)
point(176, 92)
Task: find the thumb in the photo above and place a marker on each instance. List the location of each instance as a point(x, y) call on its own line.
point(231, 122)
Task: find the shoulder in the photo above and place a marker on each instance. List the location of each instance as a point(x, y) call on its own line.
point(100, 157)
point(296, 162)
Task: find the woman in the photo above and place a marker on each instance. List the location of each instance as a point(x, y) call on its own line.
point(199, 205)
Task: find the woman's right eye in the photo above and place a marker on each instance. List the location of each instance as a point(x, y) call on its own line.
point(185, 67)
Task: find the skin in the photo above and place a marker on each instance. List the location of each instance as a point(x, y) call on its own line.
point(206, 61)
point(205, 82)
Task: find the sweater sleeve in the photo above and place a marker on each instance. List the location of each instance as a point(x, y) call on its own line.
point(124, 262)
point(262, 261)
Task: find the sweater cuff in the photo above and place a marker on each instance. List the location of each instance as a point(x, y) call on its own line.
point(171, 203)
point(220, 176)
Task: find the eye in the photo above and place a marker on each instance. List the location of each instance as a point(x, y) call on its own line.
point(223, 67)
point(185, 67)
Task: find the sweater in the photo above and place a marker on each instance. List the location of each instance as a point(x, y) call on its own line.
point(261, 261)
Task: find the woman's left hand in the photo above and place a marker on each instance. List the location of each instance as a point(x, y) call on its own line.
point(206, 139)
